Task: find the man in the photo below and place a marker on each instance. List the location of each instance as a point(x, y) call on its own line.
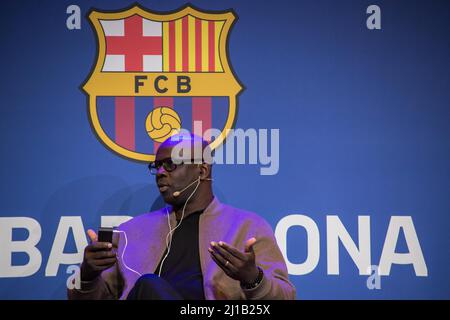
point(196, 248)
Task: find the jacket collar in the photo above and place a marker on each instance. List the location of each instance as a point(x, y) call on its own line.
point(210, 210)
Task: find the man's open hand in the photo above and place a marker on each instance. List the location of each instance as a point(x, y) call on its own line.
point(236, 264)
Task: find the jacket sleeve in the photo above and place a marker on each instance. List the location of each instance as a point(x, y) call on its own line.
point(275, 284)
point(107, 286)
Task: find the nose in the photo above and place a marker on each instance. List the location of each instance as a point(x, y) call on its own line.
point(161, 172)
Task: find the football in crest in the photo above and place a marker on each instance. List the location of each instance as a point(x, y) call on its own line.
point(162, 123)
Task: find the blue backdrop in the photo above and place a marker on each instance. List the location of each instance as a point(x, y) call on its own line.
point(363, 118)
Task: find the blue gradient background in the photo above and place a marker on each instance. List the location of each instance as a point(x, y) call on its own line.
point(364, 130)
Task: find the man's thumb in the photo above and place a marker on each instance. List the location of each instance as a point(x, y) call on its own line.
point(92, 235)
point(249, 244)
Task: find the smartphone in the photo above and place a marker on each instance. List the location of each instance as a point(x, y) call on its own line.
point(105, 234)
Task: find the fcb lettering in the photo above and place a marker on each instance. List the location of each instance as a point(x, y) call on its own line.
point(183, 84)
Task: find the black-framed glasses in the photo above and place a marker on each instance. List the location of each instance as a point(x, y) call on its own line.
point(167, 164)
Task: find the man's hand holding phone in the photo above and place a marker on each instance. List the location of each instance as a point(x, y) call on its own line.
point(98, 256)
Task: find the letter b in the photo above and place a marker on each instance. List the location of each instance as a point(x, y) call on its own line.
point(28, 246)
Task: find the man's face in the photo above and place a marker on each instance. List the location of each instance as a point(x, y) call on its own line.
point(176, 180)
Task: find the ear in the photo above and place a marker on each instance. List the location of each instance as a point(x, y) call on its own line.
point(204, 170)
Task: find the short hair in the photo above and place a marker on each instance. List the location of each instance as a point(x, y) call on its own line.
point(191, 141)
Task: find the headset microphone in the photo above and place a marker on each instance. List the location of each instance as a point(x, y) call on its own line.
point(177, 193)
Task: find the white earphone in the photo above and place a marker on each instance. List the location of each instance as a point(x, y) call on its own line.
point(171, 231)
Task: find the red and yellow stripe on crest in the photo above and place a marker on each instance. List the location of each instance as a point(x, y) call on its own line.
point(191, 45)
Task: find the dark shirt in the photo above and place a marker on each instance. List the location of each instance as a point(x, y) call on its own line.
point(182, 266)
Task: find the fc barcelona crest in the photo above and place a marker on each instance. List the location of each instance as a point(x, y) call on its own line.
point(158, 73)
